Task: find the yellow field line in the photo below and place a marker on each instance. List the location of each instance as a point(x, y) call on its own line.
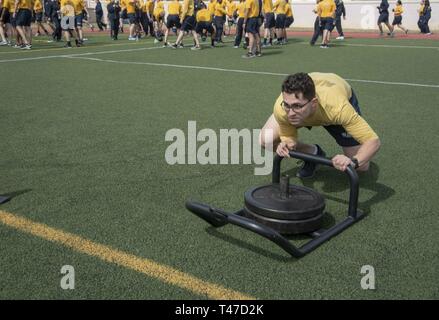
point(146, 266)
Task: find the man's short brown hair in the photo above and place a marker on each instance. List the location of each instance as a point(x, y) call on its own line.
point(300, 83)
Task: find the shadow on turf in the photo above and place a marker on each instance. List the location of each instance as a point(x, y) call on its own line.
point(328, 221)
point(14, 194)
point(335, 181)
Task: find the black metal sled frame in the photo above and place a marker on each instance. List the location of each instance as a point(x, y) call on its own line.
point(218, 218)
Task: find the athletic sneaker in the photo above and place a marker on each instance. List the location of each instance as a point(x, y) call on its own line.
point(258, 54)
point(134, 39)
point(166, 44)
point(249, 55)
point(309, 168)
point(324, 46)
point(16, 46)
point(235, 47)
point(196, 48)
point(340, 38)
point(68, 46)
point(3, 43)
point(26, 47)
point(173, 46)
point(180, 46)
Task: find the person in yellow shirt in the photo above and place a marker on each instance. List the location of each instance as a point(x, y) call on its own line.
point(23, 19)
point(188, 22)
point(5, 20)
point(326, 12)
point(219, 18)
point(318, 31)
point(397, 20)
point(78, 6)
point(240, 23)
point(67, 10)
point(159, 18)
point(231, 16)
point(252, 22)
point(280, 8)
point(173, 19)
point(289, 19)
point(131, 6)
point(320, 99)
point(269, 22)
point(38, 9)
point(204, 23)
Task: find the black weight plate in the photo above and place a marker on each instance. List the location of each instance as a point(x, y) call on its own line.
point(303, 202)
point(288, 226)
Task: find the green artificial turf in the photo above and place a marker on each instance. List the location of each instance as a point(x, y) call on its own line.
point(82, 148)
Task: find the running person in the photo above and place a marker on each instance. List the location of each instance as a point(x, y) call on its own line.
point(397, 19)
point(384, 17)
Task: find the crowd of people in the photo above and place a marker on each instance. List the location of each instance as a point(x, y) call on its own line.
point(257, 23)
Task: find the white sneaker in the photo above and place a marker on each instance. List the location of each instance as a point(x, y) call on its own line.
point(340, 38)
point(235, 47)
point(155, 40)
point(132, 39)
point(3, 43)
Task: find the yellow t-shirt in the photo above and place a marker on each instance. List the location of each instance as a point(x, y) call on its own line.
point(204, 15)
point(211, 6)
point(253, 8)
point(280, 7)
point(148, 7)
point(78, 5)
point(131, 6)
point(219, 9)
point(398, 10)
point(268, 6)
point(188, 8)
point(9, 5)
point(326, 9)
point(38, 6)
point(241, 8)
point(25, 4)
point(174, 8)
point(231, 8)
point(288, 10)
point(159, 9)
point(67, 8)
point(333, 94)
point(421, 9)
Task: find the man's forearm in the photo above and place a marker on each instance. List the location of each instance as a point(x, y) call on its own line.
point(367, 150)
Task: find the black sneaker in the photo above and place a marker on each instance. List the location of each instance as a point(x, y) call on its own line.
point(309, 168)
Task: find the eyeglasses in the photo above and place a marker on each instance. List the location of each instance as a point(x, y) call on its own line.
point(294, 106)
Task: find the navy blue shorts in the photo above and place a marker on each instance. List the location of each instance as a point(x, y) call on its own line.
point(188, 23)
point(339, 133)
point(397, 20)
point(203, 25)
point(383, 18)
point(269, 21)
point(6, 17)
point(280, 21)
point(38, 16)
point(327, 23)
point(172, 21)
point(288, 21)
point(78, 20)
point(252, 26)
point(132, 17)
point(23, 18)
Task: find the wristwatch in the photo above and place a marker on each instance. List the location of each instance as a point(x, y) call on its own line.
point(355, 162)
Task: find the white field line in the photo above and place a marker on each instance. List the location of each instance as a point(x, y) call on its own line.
point(245, 71)
point(77, 54)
